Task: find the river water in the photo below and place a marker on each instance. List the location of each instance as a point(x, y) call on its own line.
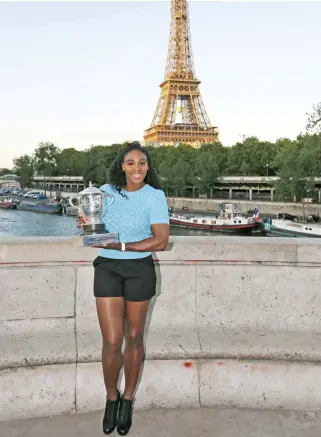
point(26, 224)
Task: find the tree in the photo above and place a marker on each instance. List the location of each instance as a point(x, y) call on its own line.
point(185, 166)
point(4, 171)
point(165, 175)
point(298, 163)
point(71, 162)
point(180, 176)
point(174, 176)
point(314, 120)
point(314, 127)
point(290, 174)
point(24, 169)
point(219, 154)
point(98, 159)
point(206, 171)
point(309, 157)
point(252, 157)
point(45, 158)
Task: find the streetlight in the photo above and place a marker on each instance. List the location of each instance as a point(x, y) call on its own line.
point(308, 195)
point(267, 170)
point(50, 165)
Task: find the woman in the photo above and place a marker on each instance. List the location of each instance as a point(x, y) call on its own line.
point(125, 278)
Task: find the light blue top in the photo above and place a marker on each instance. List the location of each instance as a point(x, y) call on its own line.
point(132, 216)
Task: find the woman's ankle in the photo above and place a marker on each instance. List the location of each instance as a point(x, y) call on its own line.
point(112, 395)
point(128, 396)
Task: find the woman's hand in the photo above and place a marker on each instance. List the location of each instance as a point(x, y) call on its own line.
point(114, 246)
point(81, 221)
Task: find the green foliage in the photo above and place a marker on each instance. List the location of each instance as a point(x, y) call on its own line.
point(180, 176)
point(294, 161)
point(45, 158)
point(97, 161)
point(206, 171)
point(4, 171)
point(314, 120)
point(298, 163)
point(251, 158)
point(184, 166)
point(71, 162)
point(23, 167)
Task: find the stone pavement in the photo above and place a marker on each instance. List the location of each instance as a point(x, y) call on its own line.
point(204, 422)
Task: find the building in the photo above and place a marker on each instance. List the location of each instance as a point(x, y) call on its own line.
point(9, 181)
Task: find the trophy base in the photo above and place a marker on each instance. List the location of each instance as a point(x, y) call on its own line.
point(94, 228)
point(98, 239)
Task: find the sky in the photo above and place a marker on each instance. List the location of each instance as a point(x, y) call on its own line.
point(84, 73)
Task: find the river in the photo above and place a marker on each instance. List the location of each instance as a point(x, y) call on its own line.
point(26, 224)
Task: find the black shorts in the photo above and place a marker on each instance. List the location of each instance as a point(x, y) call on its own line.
point(132, 279)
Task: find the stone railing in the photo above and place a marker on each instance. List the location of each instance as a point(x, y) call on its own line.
point(236, 321)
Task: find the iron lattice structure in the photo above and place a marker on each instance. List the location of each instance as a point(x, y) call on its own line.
point(180, 115)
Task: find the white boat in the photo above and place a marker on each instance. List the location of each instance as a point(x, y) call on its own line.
point(289, 228)
point(229, 219)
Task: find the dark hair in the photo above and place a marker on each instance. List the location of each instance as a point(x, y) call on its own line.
point(116, 176)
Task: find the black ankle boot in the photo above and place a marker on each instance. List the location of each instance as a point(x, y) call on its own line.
point(124, 420)
point(110, 416)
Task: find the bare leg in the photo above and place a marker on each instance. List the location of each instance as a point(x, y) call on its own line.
point(135, 316)
point(110, 312)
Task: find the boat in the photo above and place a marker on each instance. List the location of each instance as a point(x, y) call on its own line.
point(8, 203)
point(229, 220)
point(70, 210)
point(288, 228)
point(44, 207)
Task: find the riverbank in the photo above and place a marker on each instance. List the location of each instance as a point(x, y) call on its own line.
point(265, 208)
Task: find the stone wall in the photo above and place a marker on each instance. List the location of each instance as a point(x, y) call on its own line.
point(236, 322)
point(299, 209)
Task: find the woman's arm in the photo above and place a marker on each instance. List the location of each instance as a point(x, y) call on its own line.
point(157, 242)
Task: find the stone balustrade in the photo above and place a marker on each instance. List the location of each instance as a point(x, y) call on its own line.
point(236, 322)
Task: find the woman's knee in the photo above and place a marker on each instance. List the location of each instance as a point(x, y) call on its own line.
point(134, 339)
point(112, 346)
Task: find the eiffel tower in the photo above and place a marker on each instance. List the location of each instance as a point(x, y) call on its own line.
point(180, 116)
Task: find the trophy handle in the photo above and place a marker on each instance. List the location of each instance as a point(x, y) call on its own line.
point(72, 204)
point(112, 199)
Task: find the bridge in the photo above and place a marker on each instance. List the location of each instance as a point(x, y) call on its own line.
point(226, 187)
point(9, 181)
point(236, 323)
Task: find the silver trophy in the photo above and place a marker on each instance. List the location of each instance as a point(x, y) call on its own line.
point(92, 204)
